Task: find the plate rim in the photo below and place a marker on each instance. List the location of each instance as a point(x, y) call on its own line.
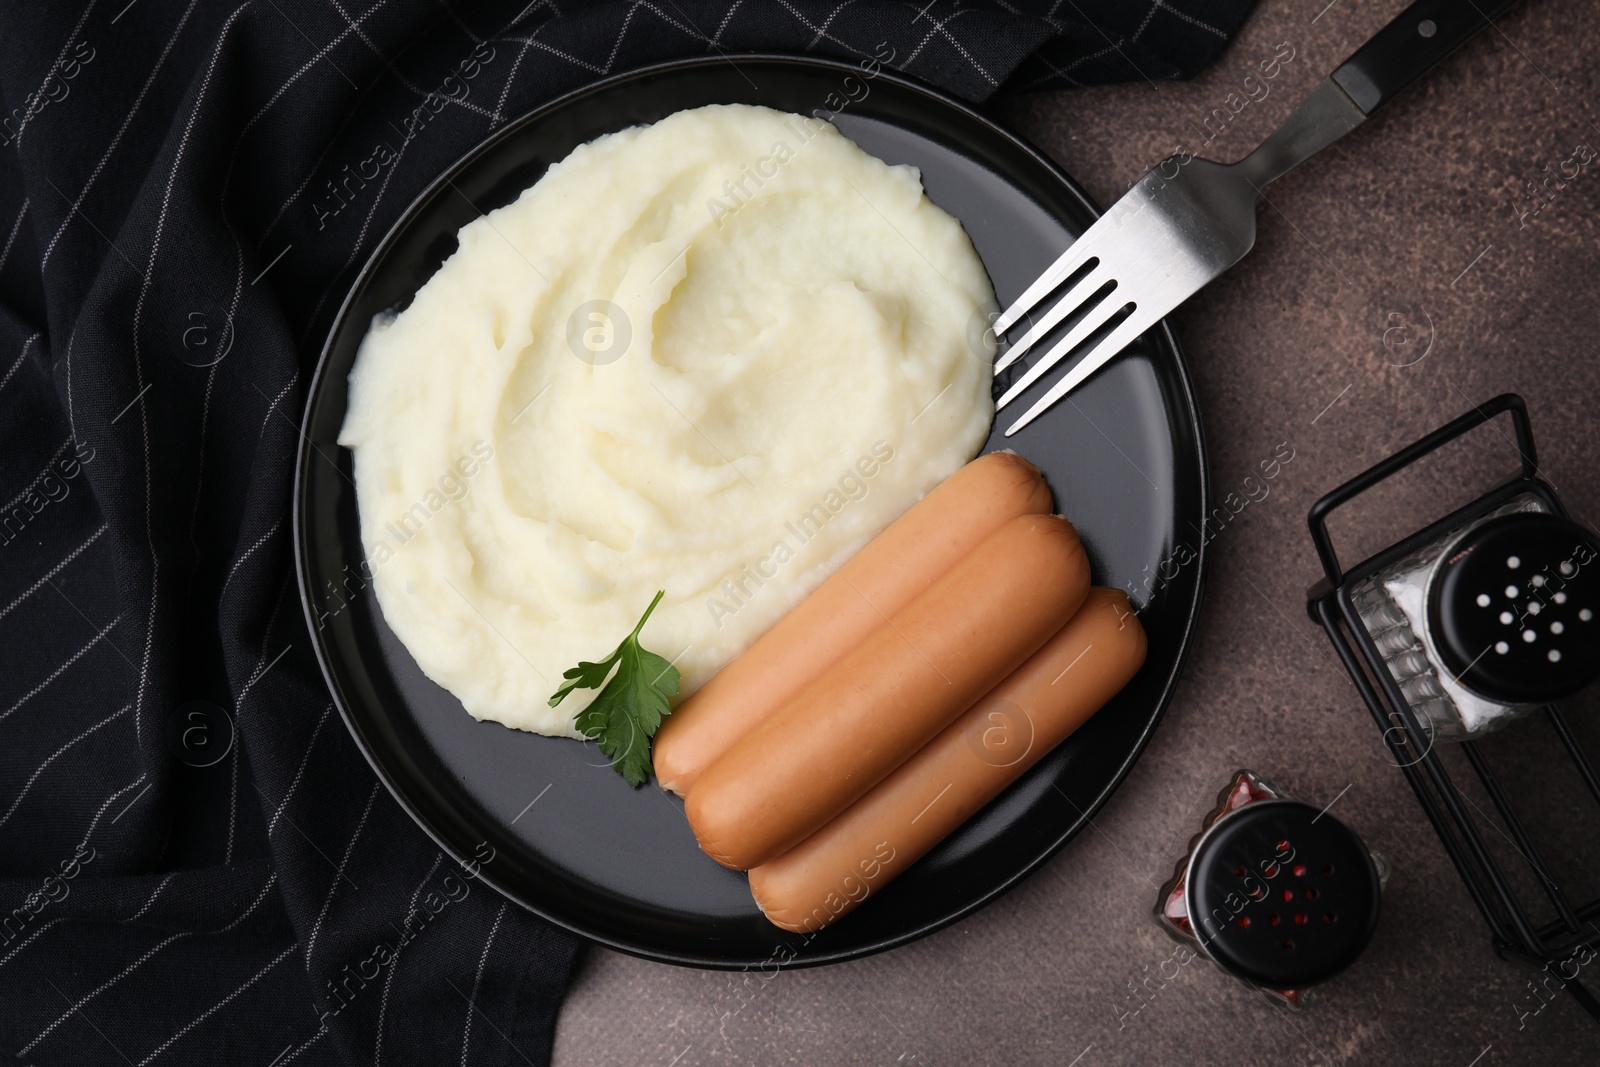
point(1186, 399)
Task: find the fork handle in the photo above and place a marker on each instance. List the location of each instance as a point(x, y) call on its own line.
point(1407, 48)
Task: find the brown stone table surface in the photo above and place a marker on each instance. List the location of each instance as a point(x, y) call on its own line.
point(1419, 214)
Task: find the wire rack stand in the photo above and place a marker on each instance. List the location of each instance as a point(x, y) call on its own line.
point(1574, 927)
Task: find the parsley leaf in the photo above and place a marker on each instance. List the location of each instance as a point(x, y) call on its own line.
point(629, 709)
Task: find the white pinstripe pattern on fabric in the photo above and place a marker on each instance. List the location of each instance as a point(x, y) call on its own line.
point(53, 571)
point(126, 121)
point(1158, 5)
point(72, 38)
point(716, 38)
point(30, 694)
point(52, 758)
point(534, 42)
point(199, 484)
point(72, 424)
point(315, 167)
point(273, 405)
point(25, 345)
point(234, 756)
point(261, 664)
point(821, 34)
point(95, 822)
point(138, 364)
point(383, 1002)
point(211, 377)
point(621, 33)
point(483, 958)
point(219, 1005)
point(30, 939)
point(233, 795)
point(321, 54)
point(211, 383)
point(525, 12)
point(293, 785)
point(505, 90)
point(333, 888)
point(1144, 24)
point(246, 555)
point(16, 227)
point(311, 173)
point(238, 715)
point(1112, 45)
point(688, 29)
point(938, 28)
point(136, 964)
point(404, 81)
point(497, 116)
point(151, 902)
point(823, 29)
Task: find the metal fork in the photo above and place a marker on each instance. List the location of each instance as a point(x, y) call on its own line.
point(1189, 219)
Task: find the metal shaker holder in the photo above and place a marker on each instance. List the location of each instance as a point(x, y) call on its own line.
point(1544, 935)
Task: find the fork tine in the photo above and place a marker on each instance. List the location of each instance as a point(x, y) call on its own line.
point(1070, 301)
point(1098, 356)
point(1077, 254)
point(1096, 318)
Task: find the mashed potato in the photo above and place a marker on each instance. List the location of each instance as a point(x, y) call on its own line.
point(712, 356)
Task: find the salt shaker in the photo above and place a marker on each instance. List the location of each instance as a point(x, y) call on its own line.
point(1274, 891)
point(1490, 621)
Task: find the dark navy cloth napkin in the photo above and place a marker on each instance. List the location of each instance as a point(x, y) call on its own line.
point(196, 864)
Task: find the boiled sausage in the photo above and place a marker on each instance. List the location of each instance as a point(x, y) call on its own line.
point(883, 701)
point(958, 772)
point(844, 610)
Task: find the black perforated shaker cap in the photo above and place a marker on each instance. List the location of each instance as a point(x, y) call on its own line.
point(1513, 605)
point(1282, 895)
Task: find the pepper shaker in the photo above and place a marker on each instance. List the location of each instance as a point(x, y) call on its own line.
point(1273, 891)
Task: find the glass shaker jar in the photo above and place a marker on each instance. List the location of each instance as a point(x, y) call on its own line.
point(1490, 621)
point(1273, 891)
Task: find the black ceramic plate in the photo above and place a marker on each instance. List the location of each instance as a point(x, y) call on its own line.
point(620, 866)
